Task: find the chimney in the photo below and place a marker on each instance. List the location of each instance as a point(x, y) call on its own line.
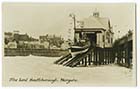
point(96, 14)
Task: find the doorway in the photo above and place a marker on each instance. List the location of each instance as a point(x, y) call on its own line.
point(92, 38)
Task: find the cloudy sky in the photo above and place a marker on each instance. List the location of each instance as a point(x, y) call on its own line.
point(42, 18)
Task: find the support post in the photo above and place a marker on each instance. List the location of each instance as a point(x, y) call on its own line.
point(85, 61)
point(89, 59)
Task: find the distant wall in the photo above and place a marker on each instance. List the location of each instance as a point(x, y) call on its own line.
point(35, 52)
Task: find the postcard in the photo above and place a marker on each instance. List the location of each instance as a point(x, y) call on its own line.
point(68, 44)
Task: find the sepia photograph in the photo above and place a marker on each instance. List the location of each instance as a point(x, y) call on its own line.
point(68, 44)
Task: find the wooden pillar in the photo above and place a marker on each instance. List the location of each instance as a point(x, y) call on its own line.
point(99, 57)
point(108, 56)
point(104, 56)
point(89, 59)
point(125, 56)
point(112, 55)
point(118, 55)
point(82, 61)
point(95, 57)
point(121, 56)
point(120, 52)
point(85, 61)
point(106, 59)
point(128, 50)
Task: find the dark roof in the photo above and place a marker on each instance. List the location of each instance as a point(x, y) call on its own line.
point(8, 33)
point(124, 39)
point(21, 37)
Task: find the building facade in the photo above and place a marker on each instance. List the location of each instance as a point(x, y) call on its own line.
point(96, 29)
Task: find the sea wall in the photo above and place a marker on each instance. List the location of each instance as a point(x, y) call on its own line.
point(35, 52)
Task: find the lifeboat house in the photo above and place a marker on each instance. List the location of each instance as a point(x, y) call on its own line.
point(96, 29)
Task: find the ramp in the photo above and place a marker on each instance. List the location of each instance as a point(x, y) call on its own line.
point(63, 59)
point(75, 61)
point(70, 61)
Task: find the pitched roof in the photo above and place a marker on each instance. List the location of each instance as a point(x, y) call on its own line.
point(8, 33)
point(96, 22)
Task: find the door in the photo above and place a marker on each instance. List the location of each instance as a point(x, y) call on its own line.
point(92, 38)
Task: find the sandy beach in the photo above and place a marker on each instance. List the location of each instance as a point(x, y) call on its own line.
point(41, 71)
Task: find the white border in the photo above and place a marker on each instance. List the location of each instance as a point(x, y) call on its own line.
point(82, 1)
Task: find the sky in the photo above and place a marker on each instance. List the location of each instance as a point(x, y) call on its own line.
point(38, 19)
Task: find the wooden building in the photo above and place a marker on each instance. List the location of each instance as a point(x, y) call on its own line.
point(124, 50)
point(96, 29)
